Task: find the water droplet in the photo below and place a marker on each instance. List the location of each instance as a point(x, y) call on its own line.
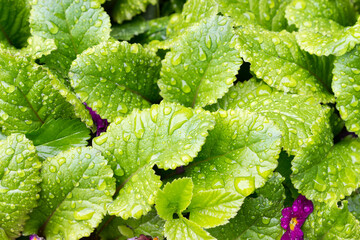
point(288, 81)
point(52, 168)
point(83, 8)
point(185, 87)
point(119, 171)
point(61, 161)
point(179, 118)
point(265, 220)
point(53, 29)
point(139, 129)
point(176, 59)
point(208, 41)
point(185, 158)
point(9, 151)
point(244, 185)
point(126, 136)
point(217, 183)
point(95, 4)
point(101, 139)
point(101, 185)
point(51, 195)
point(97, 104)
point(201, 176)
point(28, 122)
point(319, 184)
point(167, 110)
point(127, 68)
point(300, 4)
point(355, 70)
point(202, 55)
point(122, 108)
point(84, 214)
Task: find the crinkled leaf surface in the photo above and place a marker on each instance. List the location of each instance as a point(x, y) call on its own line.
point(324, 26)
point(346, 86)
point(184, 229)
point(259, 217)
point(59, 135)
point(268, 14)
point(354, 204)
point(331, 222)
point(278, 60)
point(114, 77)
point(239, 155)
point(202, 64)
point(77, 184)
point(27, 98)
point(168, 135)
point(126, 9)
point(19, 178)
point(38, 47)
point(74, 25)
point(14, 22)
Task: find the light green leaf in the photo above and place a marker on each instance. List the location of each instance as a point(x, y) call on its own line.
point(326, 172)
point(174, 198)
point(331, 222)
point(185, 229)
point(325, 27)
point(278, 60)
point(239, 155)
point(117, 71)
point(77, 184)
point(126, 9)
point(168, 135)
point(59, 135)
point(202, 64)
point(259, 217)
point(213, 207)
point(346, 86)
point(14, 22)
point(150, 224)
point(27, 97)
point(268, 14)
point(74, 26)
point(19, 178)
point(38, 47)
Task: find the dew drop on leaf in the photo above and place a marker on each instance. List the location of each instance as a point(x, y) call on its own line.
point(244, 185)
point(84, 214)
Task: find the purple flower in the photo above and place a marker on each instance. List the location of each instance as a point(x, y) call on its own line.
point(36, 237)
point(143, 237)
point(294, 217)
point(101, 124)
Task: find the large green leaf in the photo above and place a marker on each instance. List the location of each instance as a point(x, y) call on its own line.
point(77, 184)
point(202, 64)
point(126, 9)
point(239, 155)
point(259, 217)
point(331, 222)
point(19, 178)
point(27, 98)
point(346, 86)
point(59, 135)
point(324, 26)
point(278, 60)
point(184, 229)
point(74, 25)
point(168, 135)
point(114, 77)
point(14, 22)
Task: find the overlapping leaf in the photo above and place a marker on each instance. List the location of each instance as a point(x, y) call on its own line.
point(77, 184)
point(126, 9)
point(113, 78)
point(74, 25)
point(325, 27)
point(168, 135)
point(185, 229)
point(259, 217)
point(27, 98)
point(278, 60)
point(354, 204)
point(346, 86)
point(202, 64)
point(19, 178)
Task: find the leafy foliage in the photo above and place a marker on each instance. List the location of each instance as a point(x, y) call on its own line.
point(126, 9)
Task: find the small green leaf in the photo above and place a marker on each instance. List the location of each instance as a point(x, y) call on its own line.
point(202, 64)
point(278, 60)
point(174, 198)
point(116, 70)
point(59, 135)
point(185, 229)
point(354, 204)
point(331, 222)
point(128, 30)
point(168, 135)
point(259, 217)
point(126, 9)
point(19, 179)
point(77, 184)
point(3, 235)
point(38, 47)
point(74, 26)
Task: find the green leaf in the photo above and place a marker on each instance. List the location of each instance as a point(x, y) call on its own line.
point(268, 14)
point(150, 224)
point(326, 172)
point(28, 99)
point(346, 86)
point(74, 26)
point(174, 198)
point(116, 70)
point(278, 60)
point(126, 9)
point(59, 135)
point(259, 217)
point(185, 229)
point(354, 204)
point(38, 47)
point(213, 207)
point(19, 179)
point(202, 64)
point(14, 22)
point(168, 135)
point(239, 155)
point(331, 222)
point(323, 26)
point(77, 184)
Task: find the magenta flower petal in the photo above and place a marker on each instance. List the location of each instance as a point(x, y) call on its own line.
point(36, 237)
point(101, 124)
